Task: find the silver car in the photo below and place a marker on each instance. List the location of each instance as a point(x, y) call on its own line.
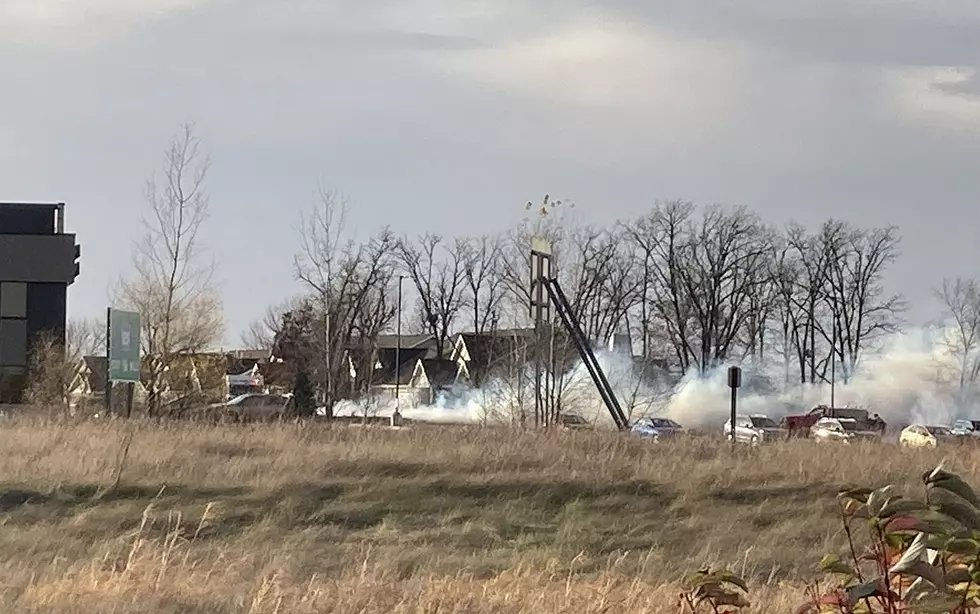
point(754, 429)
point(253, 407)
point(967, 429)
point(841, 429)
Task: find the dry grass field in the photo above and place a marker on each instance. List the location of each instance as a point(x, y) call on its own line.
point(295, 519)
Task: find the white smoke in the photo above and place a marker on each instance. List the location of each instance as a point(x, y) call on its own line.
point(913, 378)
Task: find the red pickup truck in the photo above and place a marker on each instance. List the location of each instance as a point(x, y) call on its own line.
point(799, 426)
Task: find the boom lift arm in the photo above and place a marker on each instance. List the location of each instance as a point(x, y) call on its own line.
point(568, 318)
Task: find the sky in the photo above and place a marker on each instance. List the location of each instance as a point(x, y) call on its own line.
point(448, 115)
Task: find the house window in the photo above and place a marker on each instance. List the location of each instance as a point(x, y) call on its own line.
point(13, 342)
point(13, 299)
point(13, 324)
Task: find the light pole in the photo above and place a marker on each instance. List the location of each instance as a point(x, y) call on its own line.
point(327, 400)
point(833, 363)
point(396, 415)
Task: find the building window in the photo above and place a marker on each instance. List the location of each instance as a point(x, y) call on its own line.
point(13, 299)
point(13, 343)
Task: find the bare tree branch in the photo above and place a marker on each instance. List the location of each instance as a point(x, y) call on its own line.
point(438, 273)
point(961, 302)
point(171, 287)
point(54, 369)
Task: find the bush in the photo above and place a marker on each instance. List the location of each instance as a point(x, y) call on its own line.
point(913, 556)
point(904, 555)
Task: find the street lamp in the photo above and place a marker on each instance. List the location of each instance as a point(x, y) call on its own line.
point(396, 415)
point(833, 363)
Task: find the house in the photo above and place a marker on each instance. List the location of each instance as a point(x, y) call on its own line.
point(385, 373)
point(483, 356)
point(432, 376)
point(371, 363)
point(89, 383)
point(414, 342)
point(204, 377)
point(503, 353)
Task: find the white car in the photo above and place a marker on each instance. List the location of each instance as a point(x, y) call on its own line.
point(841, 429)
point(925, 436)
point(754, 429)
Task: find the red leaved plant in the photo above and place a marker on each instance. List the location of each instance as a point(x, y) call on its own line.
point(904, 555)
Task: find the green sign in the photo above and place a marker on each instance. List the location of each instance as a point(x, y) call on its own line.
point(124, 346)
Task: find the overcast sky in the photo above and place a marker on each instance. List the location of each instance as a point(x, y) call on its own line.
point(447, 115)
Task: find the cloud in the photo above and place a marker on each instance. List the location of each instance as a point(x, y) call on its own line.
point(960, 82)
point(857, 109)
point(870, 32)
point(940, 97)
point(611, 65)
point(75, 24)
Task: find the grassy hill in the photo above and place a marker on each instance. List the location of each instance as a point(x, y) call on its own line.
point(297, 519)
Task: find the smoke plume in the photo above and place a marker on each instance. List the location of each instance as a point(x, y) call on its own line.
point(913, 378)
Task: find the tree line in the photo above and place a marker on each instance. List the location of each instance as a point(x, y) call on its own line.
point(695, 286)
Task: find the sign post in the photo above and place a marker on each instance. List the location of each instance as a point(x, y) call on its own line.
point(122, 354)
point(734, 382)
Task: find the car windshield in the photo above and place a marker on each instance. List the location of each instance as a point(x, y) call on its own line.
point(938, 430)
point(849, 425)
point(761, 422)
point(663, 423)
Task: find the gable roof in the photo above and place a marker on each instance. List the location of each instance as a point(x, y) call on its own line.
point(407, 341)
point(440, 372)
point(384, 367)
point(96, 371)
point(484, 349)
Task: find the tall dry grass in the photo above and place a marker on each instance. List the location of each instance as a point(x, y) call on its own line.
point(289, 518)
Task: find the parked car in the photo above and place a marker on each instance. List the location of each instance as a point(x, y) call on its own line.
point(967, 429)
point(800, 425)
point(656, 428)
point(842, 429)
point(253, 406)
point(754, 429)
point(922, 436)
point(573, 421)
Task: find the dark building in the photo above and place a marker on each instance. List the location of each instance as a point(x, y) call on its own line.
point(38, 261)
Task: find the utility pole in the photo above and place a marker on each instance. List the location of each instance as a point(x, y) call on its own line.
point(833, 362)
point(327, 380)
point(396, 415)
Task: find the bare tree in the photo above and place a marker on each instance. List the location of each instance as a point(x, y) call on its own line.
point(720, 265)
point(261, 333)
point(171, 286)
point(861, 311)
point(961, 303)
point(784, 274)
point(811, 300)
point(350, 302)
point(660, 238)
point(54, 367)
point(483, 276)
point(438, 272)
point(602, 283)
point(705, 273)
point(322, 246)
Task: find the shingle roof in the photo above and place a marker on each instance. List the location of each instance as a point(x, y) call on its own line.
point(440, 372)
point(385, 374)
